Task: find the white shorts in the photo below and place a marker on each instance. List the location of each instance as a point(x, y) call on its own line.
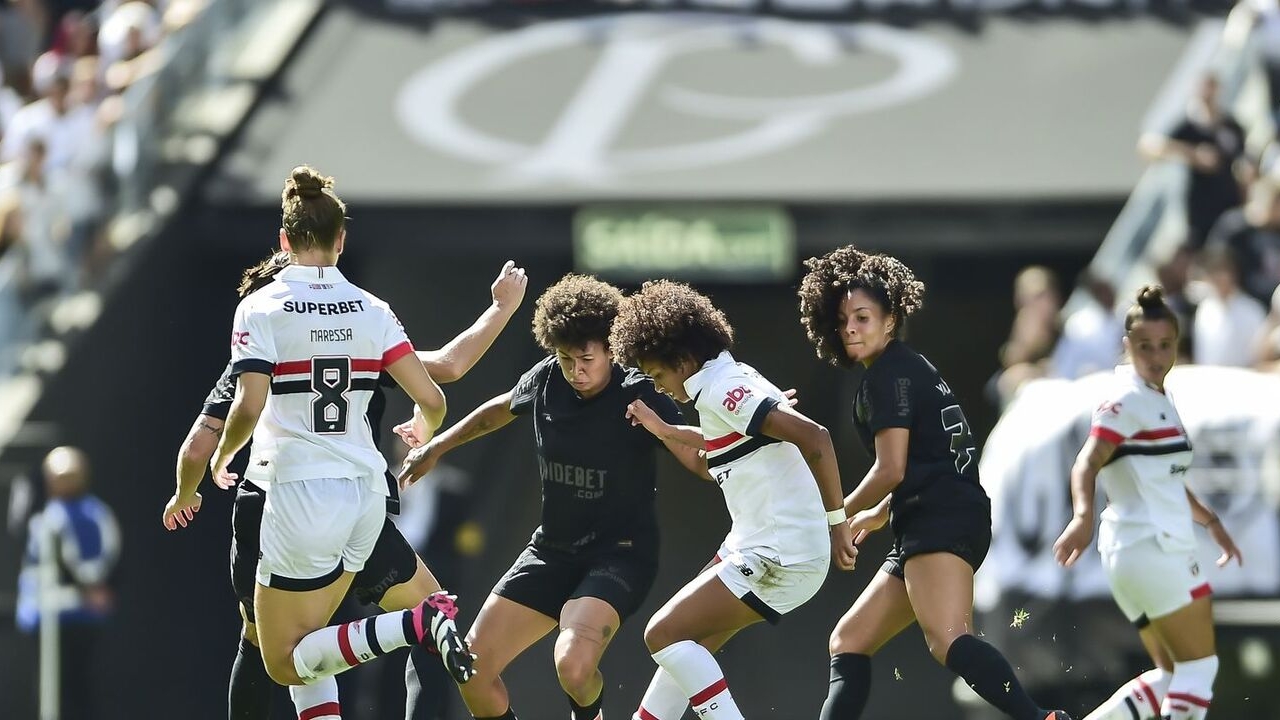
point(770, 588)
point(314, 530)
point(1150, 582)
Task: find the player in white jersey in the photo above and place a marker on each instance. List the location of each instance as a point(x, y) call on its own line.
point(1138, 449)
point(777, 469)
point(307, 350)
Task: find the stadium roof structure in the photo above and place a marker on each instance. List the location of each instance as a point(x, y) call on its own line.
point(698, 105)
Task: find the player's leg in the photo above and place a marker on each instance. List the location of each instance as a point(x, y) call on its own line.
point(940, 586)
point(1140, 698)
point(250, 688)
point(1188, 635)
point(587, 624)
point(881, 612)
point(502, 631)
point(663, 699)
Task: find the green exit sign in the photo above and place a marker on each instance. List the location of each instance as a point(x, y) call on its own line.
point(720, 243)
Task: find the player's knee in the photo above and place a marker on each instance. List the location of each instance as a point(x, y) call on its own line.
point(657, 634)
point(281, 669)
point(575, 671)
point(939, 641)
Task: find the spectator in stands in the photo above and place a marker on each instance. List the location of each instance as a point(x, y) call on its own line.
point(1174, 274)
point(43, 232)
point(1264, 16)
point(1228, 322)
point(12, 323)
point(86, 547)
point(10, 104)
point(49, 119)
point(1037, 301)
point(1252, 233)
point(1091, 335)
point(1211, 143)
point(21, 37)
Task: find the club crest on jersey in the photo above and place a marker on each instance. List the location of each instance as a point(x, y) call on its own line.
point(733, 399)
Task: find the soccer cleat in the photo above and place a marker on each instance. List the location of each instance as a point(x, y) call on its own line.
point(433, 622)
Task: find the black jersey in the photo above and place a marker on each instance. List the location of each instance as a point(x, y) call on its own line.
point(218, 404)
point(902, 389)
point(597, 470)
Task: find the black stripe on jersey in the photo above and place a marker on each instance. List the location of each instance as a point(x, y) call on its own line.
point(1123, 450)
point(765, 407)
point(741, 451)
point(286, 387)
point(252, 365)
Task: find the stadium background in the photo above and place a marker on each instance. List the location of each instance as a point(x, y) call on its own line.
point(1002, 166)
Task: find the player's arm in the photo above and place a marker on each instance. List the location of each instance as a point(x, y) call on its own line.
point(413, 378)
point(460, 354)
point(492, 415)
point(1095, 454)
point(886, 472)
point(193, 458)
point(814, 442)
point(1203, 515)
point(246, 408)
point(684, 441)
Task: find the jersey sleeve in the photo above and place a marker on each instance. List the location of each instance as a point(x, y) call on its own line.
point(739, 402)
point(526, 389)
point(892, 399)
point(218, 402)
point(253, 347)
point(1114, 422)
point(395, 343)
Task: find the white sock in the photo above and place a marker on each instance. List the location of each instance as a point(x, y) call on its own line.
point(317, 701)
point(1191, 689)
point(331, 650)
point(664, 700)
point(1140, 698)
point(699, 676)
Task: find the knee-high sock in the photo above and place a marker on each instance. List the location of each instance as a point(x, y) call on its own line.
point(585, 712)
point(989, 674)
point(249, 692)
point(1138, 699)
point(317, 701)
point(335, 649)
point(699, 675)
point(1191, 689)
point(850, 687)
point(664, 700)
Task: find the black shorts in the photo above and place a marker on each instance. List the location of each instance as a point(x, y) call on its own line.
point(954, 519)
point(392, 561)
point(544, 579)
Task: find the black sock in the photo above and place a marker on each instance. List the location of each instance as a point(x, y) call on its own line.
point(427, 686)
point(508, 715)
point(249, 695)
point(990, 675)
point(586, 712)
point(850, 687)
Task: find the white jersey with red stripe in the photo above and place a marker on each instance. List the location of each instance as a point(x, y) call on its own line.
point(1145, 478)
point(324, 342)
point(771, 494)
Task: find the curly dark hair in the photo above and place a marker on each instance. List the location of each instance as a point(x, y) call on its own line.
point(833, 275)
point(1150, 305)
point(575, 311)
point(668, 322)
point(260, 275)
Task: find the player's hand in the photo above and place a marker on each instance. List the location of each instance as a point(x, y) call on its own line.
point(222, 477)
point(419, 462)
point(180, 510)
point(641, 414)
point(865, 522)
point(1206, 158)
point(843, 551)
point(414, 430)
point(1224, 541)
point(508, 289)
point(791, 394)
point(1072, 542)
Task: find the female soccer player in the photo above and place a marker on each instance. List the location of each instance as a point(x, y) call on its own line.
point(777, 469)
point(317, 343)
point(924, 481)
point(593, 559)
point(393, 578)
point(1139, 451)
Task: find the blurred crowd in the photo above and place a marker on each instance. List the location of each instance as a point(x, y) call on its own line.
point(64, 65)
point(1222, 277)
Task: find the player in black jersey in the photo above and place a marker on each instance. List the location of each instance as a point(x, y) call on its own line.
point(393, 578)
point(924, 483)
point(593, 559)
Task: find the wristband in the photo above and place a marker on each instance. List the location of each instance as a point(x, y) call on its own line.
point(835, 517)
